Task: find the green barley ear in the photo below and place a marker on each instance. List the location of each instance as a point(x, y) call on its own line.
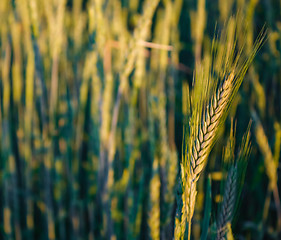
point(216, 83)
point(233, 185)
point(229, 199)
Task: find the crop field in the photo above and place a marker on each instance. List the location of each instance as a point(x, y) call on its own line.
point(140, 119)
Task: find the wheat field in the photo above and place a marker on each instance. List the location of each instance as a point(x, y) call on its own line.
point(140, 119)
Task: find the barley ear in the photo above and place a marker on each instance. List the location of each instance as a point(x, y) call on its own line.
point(211, 98)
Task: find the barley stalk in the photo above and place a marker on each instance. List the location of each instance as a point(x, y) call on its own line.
point(270, 167)
point(262, 141)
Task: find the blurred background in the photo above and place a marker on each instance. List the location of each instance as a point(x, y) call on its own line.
point(93, 100)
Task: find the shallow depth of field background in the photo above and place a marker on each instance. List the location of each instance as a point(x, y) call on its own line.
point(93, 99)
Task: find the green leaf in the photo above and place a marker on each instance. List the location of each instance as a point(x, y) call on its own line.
point(207, 210)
